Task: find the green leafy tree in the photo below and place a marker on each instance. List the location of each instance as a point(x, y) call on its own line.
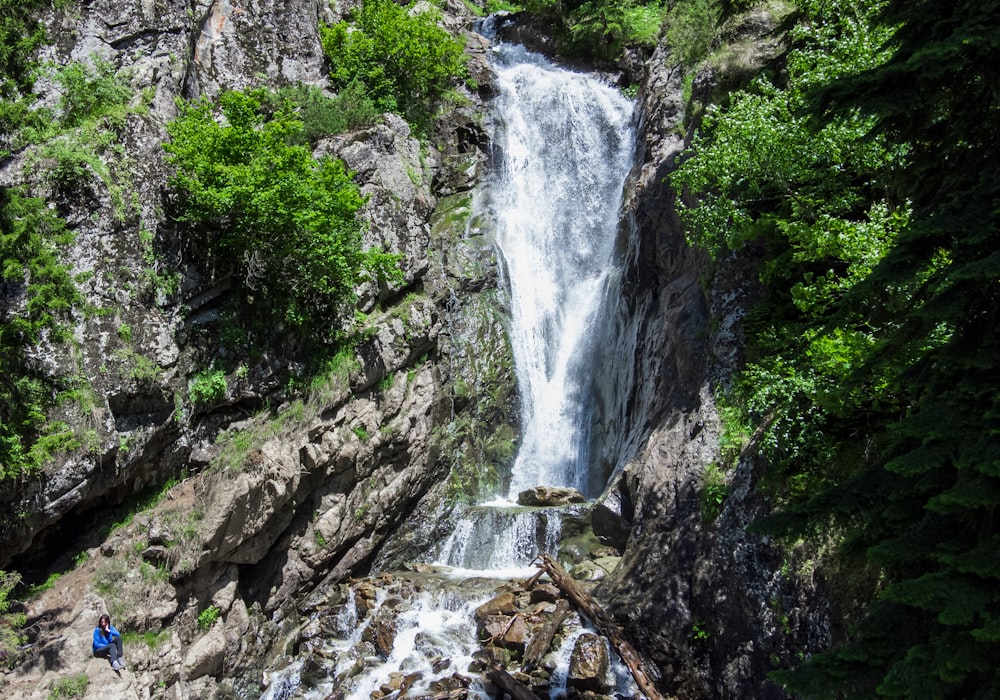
point(928, 501)
point(282, 221)
point(400, 54)
point(808, 194)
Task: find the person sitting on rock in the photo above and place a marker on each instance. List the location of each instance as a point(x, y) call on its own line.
point(108, 642)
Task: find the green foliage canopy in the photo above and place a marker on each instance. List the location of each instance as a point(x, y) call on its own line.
point(401, 55)
point(601, 28)
point(282, 221)
point(760, 171)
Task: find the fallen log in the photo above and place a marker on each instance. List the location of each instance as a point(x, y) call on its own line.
point(541, 642)
point(510, 685)
point(589, 607)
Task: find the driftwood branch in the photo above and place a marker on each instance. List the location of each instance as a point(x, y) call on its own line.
point(589, 607)
point(530, 583)
point(541, 642)
point(510, 685)
point(498, 637)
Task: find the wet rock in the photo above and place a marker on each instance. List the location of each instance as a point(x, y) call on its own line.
point(544, 593)
point(588, 664)
point(503, 631)
point(489, 657)
point(453, 682)
point(588, 571)
point(382, 632)
point(503, 604)
point(608, 564)
point(550, 496)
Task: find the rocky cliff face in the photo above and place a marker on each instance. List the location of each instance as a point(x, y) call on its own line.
point(293, 499)
point(280, 494)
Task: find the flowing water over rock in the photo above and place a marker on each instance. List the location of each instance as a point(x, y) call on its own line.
point(563, 146)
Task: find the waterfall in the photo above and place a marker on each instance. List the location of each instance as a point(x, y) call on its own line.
point(564, 146)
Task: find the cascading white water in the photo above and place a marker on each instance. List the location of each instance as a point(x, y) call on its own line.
point(564, 146)
point(500, 542)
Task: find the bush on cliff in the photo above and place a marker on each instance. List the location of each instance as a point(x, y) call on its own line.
point(282, 222)
point(36, 292)
point(404, 59)
point(601, 28)
point(11, 636)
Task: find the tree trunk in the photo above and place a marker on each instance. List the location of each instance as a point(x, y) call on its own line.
point(541, 642)
point(589, 607)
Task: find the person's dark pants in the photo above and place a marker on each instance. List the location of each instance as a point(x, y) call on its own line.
point(112, 651)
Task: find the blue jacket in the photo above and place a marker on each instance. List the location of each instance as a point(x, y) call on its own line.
point(100, 641)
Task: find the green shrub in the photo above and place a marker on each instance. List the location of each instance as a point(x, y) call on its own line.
point(90, 92)
point(322, 115)
point(207, 617)
point(714, 492)
point(21, 34)
point(282, 221)
point(208, 386)
point(31, 238)
point(11, 636)
point(402, 57)
point(600, 28)
point(81, 137)
point(153, 640)
point(690, 30)
point(71, 687)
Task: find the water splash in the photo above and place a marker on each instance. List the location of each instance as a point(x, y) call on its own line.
point(501, 542)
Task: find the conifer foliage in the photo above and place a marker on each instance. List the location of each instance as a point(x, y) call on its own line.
point(877, 379)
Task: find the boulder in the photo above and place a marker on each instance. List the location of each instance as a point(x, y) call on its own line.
point(588, 664)
point(504, 631)
point(549, 496)
point(205, 656)
point(544, 593)
point(503, 604)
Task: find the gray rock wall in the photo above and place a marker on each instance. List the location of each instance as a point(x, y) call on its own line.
point(302, 491)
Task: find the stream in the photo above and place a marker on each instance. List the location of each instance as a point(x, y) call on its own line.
point(563, 147)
